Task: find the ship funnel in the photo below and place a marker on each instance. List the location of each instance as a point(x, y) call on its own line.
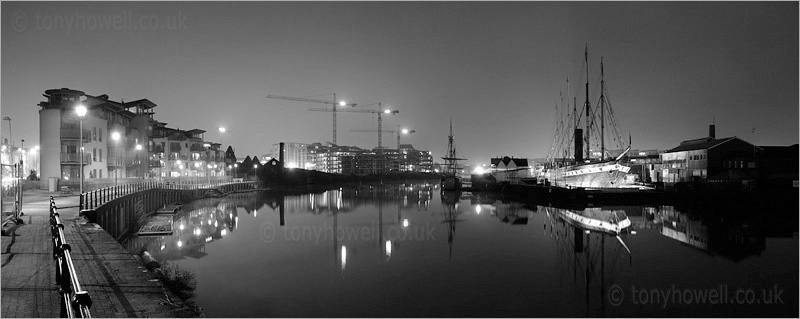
point(578, 145)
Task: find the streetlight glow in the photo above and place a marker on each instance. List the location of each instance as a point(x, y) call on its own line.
point(115, 136)
point(221, 130)
point(138, 147)
point(342, 103)
point(405, 131)
point(387, 111)
point(81, 110)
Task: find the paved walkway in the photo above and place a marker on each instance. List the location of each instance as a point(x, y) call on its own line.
point(117, 282)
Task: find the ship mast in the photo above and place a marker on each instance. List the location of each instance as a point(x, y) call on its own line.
point(588, 123)
point(602, 112)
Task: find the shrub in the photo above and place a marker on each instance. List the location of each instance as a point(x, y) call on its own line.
point(181, 281)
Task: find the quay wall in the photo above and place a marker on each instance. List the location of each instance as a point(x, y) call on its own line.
point(120, 216)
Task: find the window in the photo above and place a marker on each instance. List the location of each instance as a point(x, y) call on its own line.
point(94, 173)
point(101, 159)
point(101, 172)
point(94, 155)
point(101, 135)
point(94, 134)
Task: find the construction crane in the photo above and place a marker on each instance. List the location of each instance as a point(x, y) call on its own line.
point(333, 103)
point(398, 132)
point(379, 111)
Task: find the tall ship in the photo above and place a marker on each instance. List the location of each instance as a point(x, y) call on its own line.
point(451, 179)
point(571, 163)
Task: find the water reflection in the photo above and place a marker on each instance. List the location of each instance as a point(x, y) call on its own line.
point(545, 260)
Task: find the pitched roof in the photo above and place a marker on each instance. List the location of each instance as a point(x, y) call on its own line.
point(517, 161)
point(703, 144)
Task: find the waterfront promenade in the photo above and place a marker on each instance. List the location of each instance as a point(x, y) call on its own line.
point(117, 282)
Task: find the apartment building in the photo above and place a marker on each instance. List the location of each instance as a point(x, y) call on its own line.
point(120, 140)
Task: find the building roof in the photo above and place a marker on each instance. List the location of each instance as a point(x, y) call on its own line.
point(520, 162)
point(703, 144)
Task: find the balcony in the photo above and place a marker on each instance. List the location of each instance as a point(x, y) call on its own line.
point(74, 134)
point(197, 148)
point(115, 161)
point(73, 158)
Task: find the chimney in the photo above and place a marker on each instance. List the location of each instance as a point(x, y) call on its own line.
point(280, 155)
point(711, 131)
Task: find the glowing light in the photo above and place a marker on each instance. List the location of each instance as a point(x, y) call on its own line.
point(344, 256)
point(223, 232)
point(180, 244)
point(115, 136)
point(388, 248)
point(405, 222)
point(197, 231)
point(138, 147)
point(342, 103)
point(209, 238)
point(291, 165)
point(633, 232)
point(478, 170)
point(196, 164)
point(222, 130)
point(587, 232)
point(255, 213)
point(81, 110)
point(478, 209)
point(181, 226)
point(387, 111)
point(216, 224)
point(163, 246)
point(405, 131)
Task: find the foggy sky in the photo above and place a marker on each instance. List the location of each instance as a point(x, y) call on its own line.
point(496, 69)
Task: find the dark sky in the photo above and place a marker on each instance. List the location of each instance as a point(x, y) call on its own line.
point(495, 68)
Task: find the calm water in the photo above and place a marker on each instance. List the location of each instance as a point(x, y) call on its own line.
point(407, 251)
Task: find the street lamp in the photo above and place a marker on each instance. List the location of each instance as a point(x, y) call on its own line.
point(139, 161)
point(222, 144)
point(208, 157)
point(235, 168)
point(81, 110)
point(115, 137)
point(255, 172)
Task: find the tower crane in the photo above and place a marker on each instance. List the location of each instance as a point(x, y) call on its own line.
point(332, 110)
point(379, 111)
point(398, 132)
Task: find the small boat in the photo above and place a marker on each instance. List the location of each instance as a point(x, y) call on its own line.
point(451, 179)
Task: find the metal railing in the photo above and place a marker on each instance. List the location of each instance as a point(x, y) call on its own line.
point(96, 198)
point(75, 302)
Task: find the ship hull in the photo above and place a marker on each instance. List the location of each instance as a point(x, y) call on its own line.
point(610, 174)
point(595, 219)
point(451, 183)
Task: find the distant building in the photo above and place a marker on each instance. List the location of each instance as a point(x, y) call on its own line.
point(295, 154)
point(509, 169)
point(729, 159)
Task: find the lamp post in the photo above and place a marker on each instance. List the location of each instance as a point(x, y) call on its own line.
point(115, 137)
point(81, 110)
point(235, 168)
point(222, 130)
point(22, 158)
point(208, 165)
point(138, 161)
point(10, 136)
point(255, 171)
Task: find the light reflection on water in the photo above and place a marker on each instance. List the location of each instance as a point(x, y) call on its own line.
point(409, 250)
